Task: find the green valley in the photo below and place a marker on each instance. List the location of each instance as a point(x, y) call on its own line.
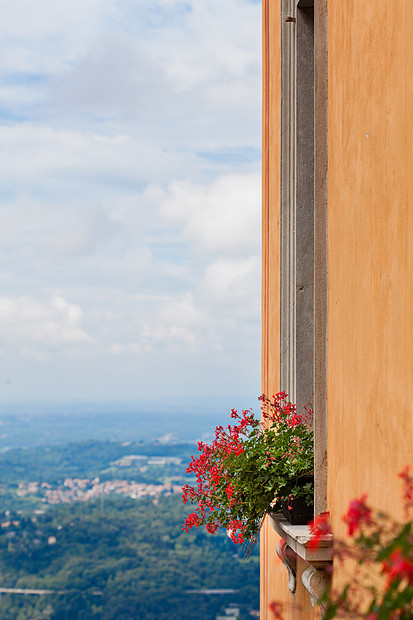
point(102, 552)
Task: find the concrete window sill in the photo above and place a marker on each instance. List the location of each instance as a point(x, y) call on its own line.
point(298, 538)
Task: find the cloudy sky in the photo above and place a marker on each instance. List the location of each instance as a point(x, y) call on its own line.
point(130, 199)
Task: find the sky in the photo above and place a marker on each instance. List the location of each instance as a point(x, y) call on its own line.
point(130, 199)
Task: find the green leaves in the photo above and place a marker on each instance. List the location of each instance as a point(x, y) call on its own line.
point(249, 464)
point(134, 554)
point(382, 575)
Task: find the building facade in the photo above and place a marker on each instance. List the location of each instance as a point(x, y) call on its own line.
point(338, 251)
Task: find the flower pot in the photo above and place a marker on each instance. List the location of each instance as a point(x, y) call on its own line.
point(297, 511)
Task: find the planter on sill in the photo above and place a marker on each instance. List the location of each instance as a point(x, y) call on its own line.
point(297, 511)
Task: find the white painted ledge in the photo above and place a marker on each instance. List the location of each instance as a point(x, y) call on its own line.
point(298, 538)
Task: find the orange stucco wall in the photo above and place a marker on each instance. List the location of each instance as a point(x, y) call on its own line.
point(370, 251)
point(273, 574)
point(370, 256)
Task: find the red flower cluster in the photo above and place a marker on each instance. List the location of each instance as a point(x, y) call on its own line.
point(398, 567)
point(248, 463)
point(276, 609)
point(408, 489)
point(381, 542)
point(280, 411)
point(213, 479)
point(319, 528)
point(191, 520)
point(358, 514)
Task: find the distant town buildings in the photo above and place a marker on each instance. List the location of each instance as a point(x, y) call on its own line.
point(137, 459)
point(85, 489)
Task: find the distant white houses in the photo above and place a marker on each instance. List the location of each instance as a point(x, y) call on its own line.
point(136, 459)
point(84, 489)
point(230, 613)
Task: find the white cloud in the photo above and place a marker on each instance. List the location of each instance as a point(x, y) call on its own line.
point(229, 55)
point(180, 311)
point(130, 194)
point(172, 334)
point(115, 75)
point(70, 312)
point(50, 324)
point(35, 151)
point(228, 278)
point(185, 72)
point(129, 347)
point(222, 216)
point(173, 322)
point(47, 230)
point(67, 162)
point(43, 36)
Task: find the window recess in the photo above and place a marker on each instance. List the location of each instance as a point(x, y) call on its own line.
point(297, 200)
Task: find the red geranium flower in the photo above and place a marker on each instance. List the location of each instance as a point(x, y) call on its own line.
point(398, 567)
point(318, 528)
point(408, 488)
point(357, 515)
point(276, 609)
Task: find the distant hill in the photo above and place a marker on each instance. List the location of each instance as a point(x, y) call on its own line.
point(31, 425)
point(122, 557)
point(123, 560)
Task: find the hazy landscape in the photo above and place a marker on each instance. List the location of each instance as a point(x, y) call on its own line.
point(91, 517)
